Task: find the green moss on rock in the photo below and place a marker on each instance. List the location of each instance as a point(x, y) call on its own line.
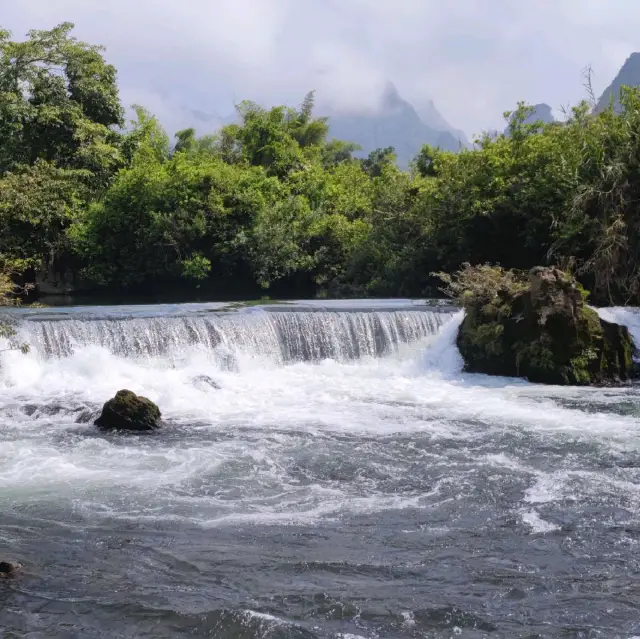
point(128, 411)
point(543, 331)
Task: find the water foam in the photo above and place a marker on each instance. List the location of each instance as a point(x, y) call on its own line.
point(374, 447)
point(537, 524)
point(299, 384)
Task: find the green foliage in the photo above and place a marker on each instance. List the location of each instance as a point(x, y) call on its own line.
point(336, 151)
point(196, 267)
point(165, 220)
point(377, 160)
point(498, 202)
point(58, 102)
point(488, 288)
point(271, 202)
point(37, 204)
point(280, 140)
point(599, 231)
point(59, 148)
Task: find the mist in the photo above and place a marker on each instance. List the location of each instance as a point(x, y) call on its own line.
point(474, 58)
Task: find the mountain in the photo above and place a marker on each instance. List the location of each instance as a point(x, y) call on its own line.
point(396, 124)
point(541, 112)
point(629, 75)
point(430, 115)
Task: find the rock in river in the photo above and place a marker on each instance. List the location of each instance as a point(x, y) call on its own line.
point(540, 328)
point(128, 411)
point(8, 570)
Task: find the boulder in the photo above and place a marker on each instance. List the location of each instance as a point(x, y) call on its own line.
point(9, 570)
point(128, 411)
point(539, 328)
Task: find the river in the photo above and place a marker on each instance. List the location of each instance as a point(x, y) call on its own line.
point(325, 471)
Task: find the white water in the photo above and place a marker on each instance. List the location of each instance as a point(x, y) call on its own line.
point(292, 385)
point(625, 315)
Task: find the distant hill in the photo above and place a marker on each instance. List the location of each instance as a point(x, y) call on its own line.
point(541, 112)
point(629, 75)
point(396, 124)
point(430, 115)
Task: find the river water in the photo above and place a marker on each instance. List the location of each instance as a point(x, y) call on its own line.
point(326, 471)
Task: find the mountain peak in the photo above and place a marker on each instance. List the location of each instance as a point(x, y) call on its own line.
point(542, 112)
point(397, 124)
point(390, 93)
point(430, 115)
point(392, 101)
point(629, 75)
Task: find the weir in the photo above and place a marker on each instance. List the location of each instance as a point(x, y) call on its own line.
point(282, 336)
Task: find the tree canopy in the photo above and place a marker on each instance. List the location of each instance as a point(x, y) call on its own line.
point(271, 203)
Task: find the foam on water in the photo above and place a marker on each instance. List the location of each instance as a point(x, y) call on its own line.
point(290, 373)
point(537, 524)
point(312, 421)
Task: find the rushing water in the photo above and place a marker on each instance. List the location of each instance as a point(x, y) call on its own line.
point(322, 474)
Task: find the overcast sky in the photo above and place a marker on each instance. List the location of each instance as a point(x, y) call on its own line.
point(474, 58)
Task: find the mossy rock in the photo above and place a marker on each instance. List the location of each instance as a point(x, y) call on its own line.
point(547, 334)
point(128, 411)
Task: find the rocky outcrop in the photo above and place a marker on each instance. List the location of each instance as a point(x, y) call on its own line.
point(629, 75)
point(128, 411)
point(9, 570)
point(542, 329)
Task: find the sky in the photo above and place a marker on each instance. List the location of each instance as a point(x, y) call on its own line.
point(474, 58)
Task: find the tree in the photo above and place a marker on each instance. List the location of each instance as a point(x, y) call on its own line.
point(145, 139)
point(378, 159)
point(59, 103)
point(599, 233)
point(338, 152)
point(37, 204)
point(185, 141)
point(59, 144)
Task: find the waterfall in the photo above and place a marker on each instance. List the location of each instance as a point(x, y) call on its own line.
point(282, 336)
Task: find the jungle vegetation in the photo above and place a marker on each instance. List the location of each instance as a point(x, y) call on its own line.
point(273, 205)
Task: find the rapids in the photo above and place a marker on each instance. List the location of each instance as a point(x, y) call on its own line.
point(345, 479)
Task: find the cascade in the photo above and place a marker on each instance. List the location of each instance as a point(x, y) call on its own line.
point(282, 336)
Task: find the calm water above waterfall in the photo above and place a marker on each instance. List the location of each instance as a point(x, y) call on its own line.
point(326, 471)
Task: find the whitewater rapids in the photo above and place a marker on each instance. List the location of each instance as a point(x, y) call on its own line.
point(345, 478)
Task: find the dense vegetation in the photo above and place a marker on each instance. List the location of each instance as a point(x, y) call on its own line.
point(271, 204)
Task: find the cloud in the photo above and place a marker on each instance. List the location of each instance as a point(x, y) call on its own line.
point(474, 58)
